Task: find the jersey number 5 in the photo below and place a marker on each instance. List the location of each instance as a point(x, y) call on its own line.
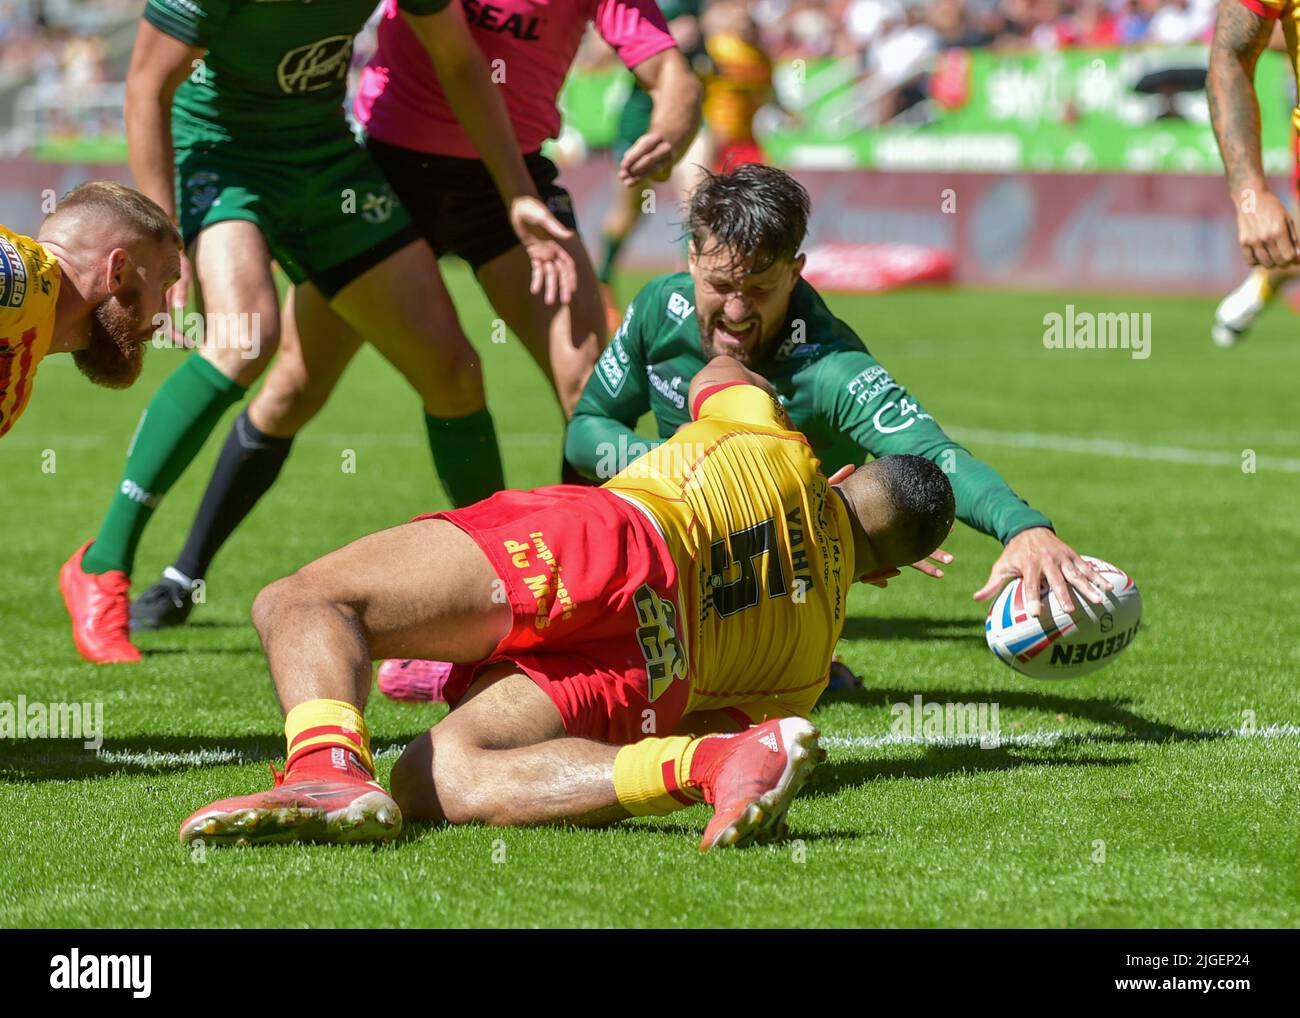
point(746, 546)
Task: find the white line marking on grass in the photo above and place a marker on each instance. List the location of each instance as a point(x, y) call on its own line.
point(1050, 739)
point(1118, 449)
point(1043, 740)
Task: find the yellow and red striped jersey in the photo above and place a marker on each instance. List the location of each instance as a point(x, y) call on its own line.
point(29, 291)
point(763, 550)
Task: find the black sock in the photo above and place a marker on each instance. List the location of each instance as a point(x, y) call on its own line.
point(249, 464)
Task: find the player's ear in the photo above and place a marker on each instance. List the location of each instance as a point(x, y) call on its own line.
point(800, 261)
point(842, 474)
point(115, 270)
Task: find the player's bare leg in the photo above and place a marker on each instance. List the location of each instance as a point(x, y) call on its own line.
point(316, 348)
point(242, 328)
point(232, 265)
point(422, 588)
point(564, 339)
point(502, 757)
point(403, 308)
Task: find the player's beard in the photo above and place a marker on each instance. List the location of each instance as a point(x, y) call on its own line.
point(114, 356)
point(747, 355)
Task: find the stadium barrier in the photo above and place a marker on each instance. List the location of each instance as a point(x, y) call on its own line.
point(1148, 233)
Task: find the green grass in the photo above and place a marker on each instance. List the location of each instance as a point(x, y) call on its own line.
point(1199, 823)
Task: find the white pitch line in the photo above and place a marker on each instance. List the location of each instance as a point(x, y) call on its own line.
point(1045, 739)
point(1119, 449)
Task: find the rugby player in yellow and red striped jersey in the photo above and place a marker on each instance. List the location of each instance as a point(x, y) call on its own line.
point(607, 630)
point(89, 284)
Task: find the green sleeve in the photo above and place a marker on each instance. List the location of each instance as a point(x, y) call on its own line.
point(857, 396)
point(601, 438)
point(419, 7)
point(190, 21)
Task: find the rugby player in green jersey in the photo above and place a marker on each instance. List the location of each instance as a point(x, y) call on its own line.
point(744, 296)
point(235, 127)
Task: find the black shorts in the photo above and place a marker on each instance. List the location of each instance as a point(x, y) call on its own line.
point(454, 203)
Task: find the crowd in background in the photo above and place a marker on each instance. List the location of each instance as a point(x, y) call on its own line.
point(58, 41)
point(808, 28)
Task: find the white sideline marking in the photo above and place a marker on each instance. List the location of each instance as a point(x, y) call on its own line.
point(214, 757)
point(1044, 739)
point(1118, 449)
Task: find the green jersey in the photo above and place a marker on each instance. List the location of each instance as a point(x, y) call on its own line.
point(275, 73)
point(835, 392)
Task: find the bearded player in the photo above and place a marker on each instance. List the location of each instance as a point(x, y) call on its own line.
point(1265, 229)
point(604, 630)
point(744, 296)
point(88, 284)
point(235, 125)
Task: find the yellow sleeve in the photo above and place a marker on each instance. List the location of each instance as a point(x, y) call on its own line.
point(27, 278)
point(742, 403)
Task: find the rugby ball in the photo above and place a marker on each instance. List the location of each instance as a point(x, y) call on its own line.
point(1056, 645)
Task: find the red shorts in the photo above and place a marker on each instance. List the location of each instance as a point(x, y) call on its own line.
point(592, 591)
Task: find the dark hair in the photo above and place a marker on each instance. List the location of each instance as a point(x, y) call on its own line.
point(753, 210)
point(922, 501)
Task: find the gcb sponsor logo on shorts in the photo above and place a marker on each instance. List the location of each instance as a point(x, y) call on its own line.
point(657, 635)
point(315, 66)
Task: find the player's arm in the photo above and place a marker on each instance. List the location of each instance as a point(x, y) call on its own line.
point(601, 438)
point(677, 96)
point(1265, 230)
point(167, 49)
point(477, 103)
point(859, 397)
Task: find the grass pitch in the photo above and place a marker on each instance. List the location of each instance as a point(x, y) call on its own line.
point(1160, 792)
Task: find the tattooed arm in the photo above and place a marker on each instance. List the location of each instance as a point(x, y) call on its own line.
point(1266, 232)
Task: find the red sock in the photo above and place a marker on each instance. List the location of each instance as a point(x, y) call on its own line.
point(327, 763)
point(710, 752)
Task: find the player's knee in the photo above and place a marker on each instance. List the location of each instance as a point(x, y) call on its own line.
point(242, 352)
point(276, 601)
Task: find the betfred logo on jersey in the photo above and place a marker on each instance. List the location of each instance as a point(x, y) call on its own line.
point(679, 308)
point(315, 66)
point(611, 366)
point(13, 276)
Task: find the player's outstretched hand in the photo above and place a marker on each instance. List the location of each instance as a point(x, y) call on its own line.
point(554, 275)
point(1267, 233)
point(651, 155)
point(1037, 554)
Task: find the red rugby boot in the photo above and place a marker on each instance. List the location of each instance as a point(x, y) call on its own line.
point(100, 607)
point(310, 809)
point(750, 779)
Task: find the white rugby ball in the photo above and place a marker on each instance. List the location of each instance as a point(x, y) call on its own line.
point(1056, 645)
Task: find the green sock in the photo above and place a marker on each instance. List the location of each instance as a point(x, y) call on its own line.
point(175, 425)
point(466, 456)
point(612, 246)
